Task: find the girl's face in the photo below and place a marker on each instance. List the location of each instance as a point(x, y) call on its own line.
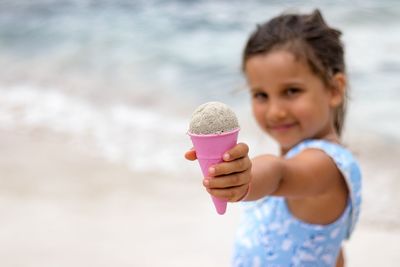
point(289, 101)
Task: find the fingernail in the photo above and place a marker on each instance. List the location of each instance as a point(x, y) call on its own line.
point(226, 156)
point(206, 182)
point(211, 170)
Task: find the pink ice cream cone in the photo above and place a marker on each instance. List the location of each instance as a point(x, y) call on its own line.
point(209, 150)
point(214, 130)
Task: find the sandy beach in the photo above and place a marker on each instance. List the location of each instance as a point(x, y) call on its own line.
point(61, 205)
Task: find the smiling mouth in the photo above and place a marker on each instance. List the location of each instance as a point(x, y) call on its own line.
point(281, 127)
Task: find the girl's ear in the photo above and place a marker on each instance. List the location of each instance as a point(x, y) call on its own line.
point(338, 90)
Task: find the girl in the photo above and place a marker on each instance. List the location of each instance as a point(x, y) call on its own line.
point(305, 202)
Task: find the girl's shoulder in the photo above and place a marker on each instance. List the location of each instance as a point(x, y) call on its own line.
point(345, 162)
point(340, 154)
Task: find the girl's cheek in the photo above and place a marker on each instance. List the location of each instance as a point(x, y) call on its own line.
point(259, 114)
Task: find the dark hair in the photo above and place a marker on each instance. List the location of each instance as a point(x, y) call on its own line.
point(309, 38)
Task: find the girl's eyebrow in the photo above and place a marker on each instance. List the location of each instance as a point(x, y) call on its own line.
point(282, 85)
point(294, 82)
point(255, 89)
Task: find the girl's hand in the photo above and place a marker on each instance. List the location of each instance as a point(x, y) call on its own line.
point(232, 176)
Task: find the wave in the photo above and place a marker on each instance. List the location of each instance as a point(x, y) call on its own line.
point(144, 139)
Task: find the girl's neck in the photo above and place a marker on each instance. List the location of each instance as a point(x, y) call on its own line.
point(331, 137)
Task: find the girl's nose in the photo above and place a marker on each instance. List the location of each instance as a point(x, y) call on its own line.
point(276, 112)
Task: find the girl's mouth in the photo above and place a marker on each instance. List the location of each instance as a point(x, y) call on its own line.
point(281, 127)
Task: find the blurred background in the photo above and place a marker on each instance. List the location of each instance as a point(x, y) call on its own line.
point(95, 99)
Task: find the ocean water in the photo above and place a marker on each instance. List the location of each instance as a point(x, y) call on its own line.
point(125, 75)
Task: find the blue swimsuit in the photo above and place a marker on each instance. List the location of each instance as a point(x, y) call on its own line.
point(269, 235)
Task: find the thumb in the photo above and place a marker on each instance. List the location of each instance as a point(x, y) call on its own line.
point(191, 155)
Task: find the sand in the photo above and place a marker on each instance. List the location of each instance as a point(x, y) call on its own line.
point(213, 118)
point(62, 205)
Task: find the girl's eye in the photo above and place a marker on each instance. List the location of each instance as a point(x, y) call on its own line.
point(260, 96)
point(292, 91)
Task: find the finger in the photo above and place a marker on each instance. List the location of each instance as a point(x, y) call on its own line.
point(227, 181)
point(191, 155)
point(238, 151)
point(226, 168)
point(230, 194)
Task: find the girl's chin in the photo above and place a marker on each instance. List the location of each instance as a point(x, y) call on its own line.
point(286, 145)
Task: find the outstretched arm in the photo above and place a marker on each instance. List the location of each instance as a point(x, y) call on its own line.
point(309, 174)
